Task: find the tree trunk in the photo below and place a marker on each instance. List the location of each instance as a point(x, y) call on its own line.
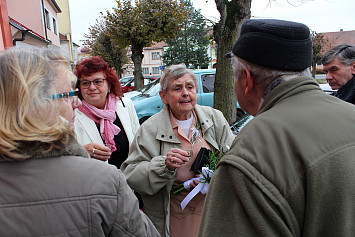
point(226, 31)
point(314, 67)
point(224, 96)
point(137, 58)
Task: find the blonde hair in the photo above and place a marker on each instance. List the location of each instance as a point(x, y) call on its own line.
point(28, 113)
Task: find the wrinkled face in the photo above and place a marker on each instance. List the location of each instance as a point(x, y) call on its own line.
point(95, 95)
point(338, 73)
point(66, 105)
point(181, 97)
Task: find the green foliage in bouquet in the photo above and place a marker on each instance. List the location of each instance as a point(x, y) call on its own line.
point(214, 158)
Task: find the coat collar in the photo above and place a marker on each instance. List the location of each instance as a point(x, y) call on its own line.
point(166, 134)
point(38, 150)
point(286, 89)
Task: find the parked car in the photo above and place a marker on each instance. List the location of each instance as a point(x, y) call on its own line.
point(240, 123)
point(146, 87)
point(124, 80)
point(149, 103)
point(129, 85)
point(327, 89)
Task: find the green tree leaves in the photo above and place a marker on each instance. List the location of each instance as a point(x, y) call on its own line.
point(142, 24)
point(190, 46)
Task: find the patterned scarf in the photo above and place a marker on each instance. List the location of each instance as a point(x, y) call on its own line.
point(104, 117)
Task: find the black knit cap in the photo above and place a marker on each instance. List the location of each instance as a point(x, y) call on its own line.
point(277, 44)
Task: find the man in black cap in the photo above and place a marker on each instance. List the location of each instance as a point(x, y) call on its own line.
point(291, 170)
point(339, 64)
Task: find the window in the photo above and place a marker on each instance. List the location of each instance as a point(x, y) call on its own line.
point(208, 83)
point(155, 55)
point(46, 18)
point(54, 26)
point(145, 70)
point(155, 70)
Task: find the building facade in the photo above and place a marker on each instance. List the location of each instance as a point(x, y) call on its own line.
point(34, 23)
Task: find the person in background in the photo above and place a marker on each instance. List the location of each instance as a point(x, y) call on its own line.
point(291, 170)
point(339, 64)
point(106, 122)
point(159, 159)
point(46, 179)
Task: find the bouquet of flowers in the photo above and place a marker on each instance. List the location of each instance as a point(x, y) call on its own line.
point(204, 179)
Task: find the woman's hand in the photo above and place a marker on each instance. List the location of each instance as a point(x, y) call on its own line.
point(194, 183)
point(176, 158)
point(97, 151)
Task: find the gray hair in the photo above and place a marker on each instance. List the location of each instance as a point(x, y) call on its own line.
point(263, 76)
point(174, 72)
point(345, 53)
point(28, 114)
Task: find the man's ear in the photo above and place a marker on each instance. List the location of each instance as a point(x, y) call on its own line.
point(163, 97)
point(353, 68)
point(249, 82)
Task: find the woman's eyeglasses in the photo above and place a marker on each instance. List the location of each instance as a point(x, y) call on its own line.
point(73, 95)
point(97, 82)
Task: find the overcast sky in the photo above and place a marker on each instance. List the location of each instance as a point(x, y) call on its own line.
point(318, 15)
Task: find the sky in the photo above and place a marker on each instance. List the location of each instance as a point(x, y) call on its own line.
point(318, 15)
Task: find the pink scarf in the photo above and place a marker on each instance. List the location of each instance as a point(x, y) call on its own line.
point(104, 117)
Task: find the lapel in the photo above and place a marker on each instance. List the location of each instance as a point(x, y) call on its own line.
point(124, 116)
point(90, 127)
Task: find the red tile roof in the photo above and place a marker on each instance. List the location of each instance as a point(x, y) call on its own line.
point(158, 45)
point(339, 37)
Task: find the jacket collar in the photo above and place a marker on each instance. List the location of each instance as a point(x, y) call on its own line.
point(37, 150)
point(286, 89)
point(347, 91)
point(167, 134)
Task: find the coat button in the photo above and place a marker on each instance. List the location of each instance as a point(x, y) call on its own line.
point(206, 121)
point(162, 136)
point(170, 137)
point(202, 123)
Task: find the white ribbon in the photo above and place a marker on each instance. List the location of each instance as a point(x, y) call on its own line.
point(201, 187)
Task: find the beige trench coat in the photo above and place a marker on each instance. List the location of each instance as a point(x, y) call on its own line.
point(145, 167)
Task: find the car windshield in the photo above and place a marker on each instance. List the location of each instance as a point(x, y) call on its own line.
point(151, 89)
point(124, 80)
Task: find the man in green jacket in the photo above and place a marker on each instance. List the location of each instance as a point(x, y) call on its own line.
point(291, 170)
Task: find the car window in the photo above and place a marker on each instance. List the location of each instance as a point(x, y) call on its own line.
point(125, 80)
point(208, 82)
point(129, 83)
point(150, 85)
point(153, 89)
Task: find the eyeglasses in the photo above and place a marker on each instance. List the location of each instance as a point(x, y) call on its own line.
point(97, 82)
point(73, 95)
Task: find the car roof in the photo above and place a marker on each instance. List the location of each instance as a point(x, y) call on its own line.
point(200, 71)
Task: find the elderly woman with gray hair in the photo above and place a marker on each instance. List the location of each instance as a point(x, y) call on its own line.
point(166, 146)
point(47, 184)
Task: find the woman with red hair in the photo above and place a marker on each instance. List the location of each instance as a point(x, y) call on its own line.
point(106, 122)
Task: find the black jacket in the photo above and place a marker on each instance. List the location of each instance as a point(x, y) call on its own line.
point(347, 92)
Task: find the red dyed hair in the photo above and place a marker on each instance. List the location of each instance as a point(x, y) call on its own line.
point(91, 65)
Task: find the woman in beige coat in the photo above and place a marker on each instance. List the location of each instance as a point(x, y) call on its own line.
point(165, 147)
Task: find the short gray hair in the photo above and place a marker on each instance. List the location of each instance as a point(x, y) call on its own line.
point(345, 53)
point(263, 76)
point(174, 72)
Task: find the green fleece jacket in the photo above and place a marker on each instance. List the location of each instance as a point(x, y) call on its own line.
point(290, 171)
